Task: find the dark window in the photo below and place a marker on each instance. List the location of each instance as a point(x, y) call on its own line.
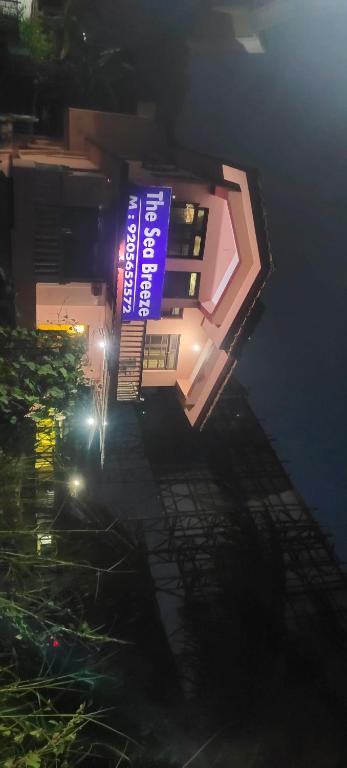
point(181, 285)
point(187, 231)
point(161, 352)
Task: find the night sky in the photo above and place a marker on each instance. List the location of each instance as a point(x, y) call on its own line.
point(286, 113)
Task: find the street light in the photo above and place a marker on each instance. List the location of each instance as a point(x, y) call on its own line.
point(76, 484)
point(90, 421)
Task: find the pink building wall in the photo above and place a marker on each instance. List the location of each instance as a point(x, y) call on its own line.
point(54, 301)
point(220, 245)
point(191, 332)
point(228, 270)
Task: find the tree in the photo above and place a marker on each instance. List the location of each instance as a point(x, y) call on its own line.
point(40, 373)
point(39, 43)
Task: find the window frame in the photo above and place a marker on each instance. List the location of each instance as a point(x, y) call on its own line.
point(182, 296)
point(168, 339)
point(192, 231)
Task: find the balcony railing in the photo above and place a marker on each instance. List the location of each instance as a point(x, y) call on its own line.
point(132, 342)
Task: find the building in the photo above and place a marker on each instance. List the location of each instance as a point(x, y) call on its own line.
point(73, 232)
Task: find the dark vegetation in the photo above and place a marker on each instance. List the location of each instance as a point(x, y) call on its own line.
point(107, 55)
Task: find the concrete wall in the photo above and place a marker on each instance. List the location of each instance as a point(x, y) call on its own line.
point(22, 240)
point(76, 163)
point(221, 366)
point(130, 136)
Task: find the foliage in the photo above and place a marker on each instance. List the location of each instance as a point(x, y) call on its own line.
point(68, 617)
point(46, 628)
point(34, 734)
point(39, 43)
point(37, 729)
point(40, 373)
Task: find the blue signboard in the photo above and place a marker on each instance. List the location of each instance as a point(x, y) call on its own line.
point(145, 252)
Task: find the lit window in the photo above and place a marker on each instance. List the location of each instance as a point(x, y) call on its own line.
point(182, 213)
point(161, 352)
point(181, 285)
point(192, 283)
point(197, 245)
point(188, 213)
point(187, 231)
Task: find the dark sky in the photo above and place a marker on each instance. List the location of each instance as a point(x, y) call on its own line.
point(286, 113)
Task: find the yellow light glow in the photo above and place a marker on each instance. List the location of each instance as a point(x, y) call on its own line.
point(56, 327)
point(192, 283)
point(188, 213)
point(197, 245)
point(44, 444)
point(76, 484)
point(43, 540)
point(63, 328)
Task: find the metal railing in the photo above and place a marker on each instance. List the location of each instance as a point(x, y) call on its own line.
point(130, 364)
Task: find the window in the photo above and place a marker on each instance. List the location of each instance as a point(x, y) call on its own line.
point(161, 352)
point(173, 312)
point(181, 285)
point(187, 231)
